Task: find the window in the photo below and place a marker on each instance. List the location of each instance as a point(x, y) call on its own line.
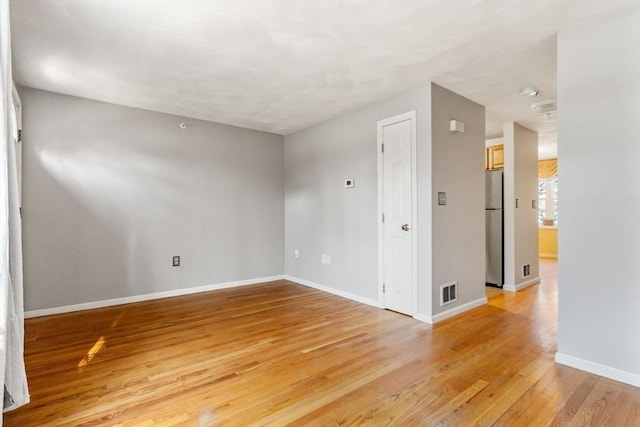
point(548, 199)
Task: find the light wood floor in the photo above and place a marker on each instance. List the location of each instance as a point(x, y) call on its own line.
point(280, 353)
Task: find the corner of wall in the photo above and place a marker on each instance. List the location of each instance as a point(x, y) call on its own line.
point(520, 213)
point(458, 227)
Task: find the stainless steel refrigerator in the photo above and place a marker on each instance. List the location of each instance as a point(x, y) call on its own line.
point(494, 228)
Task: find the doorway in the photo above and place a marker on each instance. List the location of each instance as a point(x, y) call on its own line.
point(397, 208)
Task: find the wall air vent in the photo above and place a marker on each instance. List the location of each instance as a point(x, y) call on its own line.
point(448, 293)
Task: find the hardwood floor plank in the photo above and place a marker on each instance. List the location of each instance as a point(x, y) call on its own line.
point(574, 403)
point(539, 404)
point(601, 405)
point(516, 388)
point(434, 418)
point(279, 353)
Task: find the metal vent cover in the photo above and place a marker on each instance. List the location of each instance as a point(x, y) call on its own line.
point(448, 293)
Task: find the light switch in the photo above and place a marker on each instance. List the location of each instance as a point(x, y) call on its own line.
point(349, 183)
point(442, 198)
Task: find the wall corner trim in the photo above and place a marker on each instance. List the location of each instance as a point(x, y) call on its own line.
point(330, 290)
point(147, 297)
point(598, 369)
point(520, 286)
point(452, 312)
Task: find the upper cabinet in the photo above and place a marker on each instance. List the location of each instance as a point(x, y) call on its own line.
point(494, 157)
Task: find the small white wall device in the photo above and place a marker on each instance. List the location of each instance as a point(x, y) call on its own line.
point(456, 126)
point(349, 183)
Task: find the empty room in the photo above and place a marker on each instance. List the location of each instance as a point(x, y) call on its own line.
point(322, 212)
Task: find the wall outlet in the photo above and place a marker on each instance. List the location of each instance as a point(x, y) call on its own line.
point(176, 260)
point(296, 254)
point(526, 270)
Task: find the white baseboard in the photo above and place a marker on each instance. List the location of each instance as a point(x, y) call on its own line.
point(598, 369)
point(519, 286)
point(377, 304)
point(343, 294)
point(423, 318)
point(552, 256)
point(147, 297)
point(451, 312)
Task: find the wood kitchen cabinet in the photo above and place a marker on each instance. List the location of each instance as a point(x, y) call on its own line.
point(494, 157)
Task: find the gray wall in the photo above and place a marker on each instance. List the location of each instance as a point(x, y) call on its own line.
point(598, 155)
point(458, 169)
point(112, 193)
point(521, 223)
point(323, 217)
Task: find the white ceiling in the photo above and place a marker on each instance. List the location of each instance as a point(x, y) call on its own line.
point(280, 66)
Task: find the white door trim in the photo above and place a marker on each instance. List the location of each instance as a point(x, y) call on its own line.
point(409, 115)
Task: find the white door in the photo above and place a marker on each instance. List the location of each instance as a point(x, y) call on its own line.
point(397, 136)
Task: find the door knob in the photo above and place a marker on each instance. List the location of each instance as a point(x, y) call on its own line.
point(405, 227)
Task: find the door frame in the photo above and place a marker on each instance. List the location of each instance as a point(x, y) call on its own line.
point(409, 115)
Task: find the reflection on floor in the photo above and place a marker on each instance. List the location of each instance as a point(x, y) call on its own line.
point(491, 292)
point(548, 274)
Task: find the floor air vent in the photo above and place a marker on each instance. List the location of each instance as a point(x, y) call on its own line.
point(448, 293)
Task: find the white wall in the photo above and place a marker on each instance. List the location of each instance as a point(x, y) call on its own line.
point(112, 193)
point(599, 157)
point(323, 217)
point(458, 228)
point(520, 223)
